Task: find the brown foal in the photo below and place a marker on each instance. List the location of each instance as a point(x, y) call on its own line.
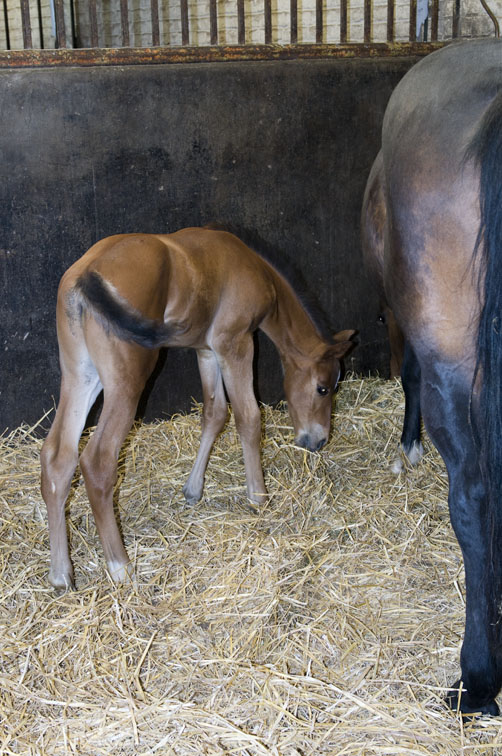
point(124, 299)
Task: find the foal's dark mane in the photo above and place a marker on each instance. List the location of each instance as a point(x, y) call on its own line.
point(286, 270)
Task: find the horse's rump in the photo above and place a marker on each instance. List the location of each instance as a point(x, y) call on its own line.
point(432, 197)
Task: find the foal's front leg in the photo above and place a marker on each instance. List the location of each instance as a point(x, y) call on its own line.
point(236, 361)
point(214, 414)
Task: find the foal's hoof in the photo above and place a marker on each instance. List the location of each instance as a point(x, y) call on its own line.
point(62, 582)
point(192, 496)
point(121, 573)
point(460, 701)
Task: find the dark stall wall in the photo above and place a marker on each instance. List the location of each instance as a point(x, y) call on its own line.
point(279, 151)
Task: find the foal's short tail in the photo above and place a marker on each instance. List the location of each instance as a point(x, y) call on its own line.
point(486, 149)
point(117, 315)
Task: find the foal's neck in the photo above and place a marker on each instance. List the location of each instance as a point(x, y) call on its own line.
point(288, 324)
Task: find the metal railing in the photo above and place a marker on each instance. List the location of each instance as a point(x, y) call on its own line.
point(76, 25)
point(65, 23)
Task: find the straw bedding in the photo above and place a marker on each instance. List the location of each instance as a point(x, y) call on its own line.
point(330, 623)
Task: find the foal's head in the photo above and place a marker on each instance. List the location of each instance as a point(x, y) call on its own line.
point(309, 384)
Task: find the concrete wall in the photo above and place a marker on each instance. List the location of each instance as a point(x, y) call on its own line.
point(278, 150)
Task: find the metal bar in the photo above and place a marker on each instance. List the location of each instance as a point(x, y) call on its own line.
point(185, 29)
point(455, 32)
point(154, 4)
point(343, 21)
point(413, 20)
point(26, 22)
point(93, 23)
point(294, 21)
point(6, 25)
point(318, 21)
point(213, 22)
point(40, 24)
point(73, 25)
point(241, 23)
point(493, 17)
point(435, 20)
point(267, 9)
point(60, 24)
point(367, 21)
point(121, 56)
point(124, 22)
point(390, 20)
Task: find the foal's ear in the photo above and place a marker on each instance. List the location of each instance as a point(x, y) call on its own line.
point(342, 343)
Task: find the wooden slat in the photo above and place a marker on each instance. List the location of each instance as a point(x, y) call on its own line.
point(124, 21)
point(26, 23)
point(154, 4)
point(294, 21)
point(121, 56)
point(267, 10)
point(213, 22)
point(60, 24)
point(185, 29)
point(318, 21)
point(343, 21)
point(367, 21)
point(241, 23)
point(93, 22)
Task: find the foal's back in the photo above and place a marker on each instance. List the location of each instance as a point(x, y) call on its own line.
point(193, 280)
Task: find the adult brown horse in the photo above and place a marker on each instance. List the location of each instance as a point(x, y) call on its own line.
point(124, 299)
point(432, 227)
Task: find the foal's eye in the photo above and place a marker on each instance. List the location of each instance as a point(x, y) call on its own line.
point(322, 390)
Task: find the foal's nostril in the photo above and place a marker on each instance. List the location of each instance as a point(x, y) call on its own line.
point(307, 443)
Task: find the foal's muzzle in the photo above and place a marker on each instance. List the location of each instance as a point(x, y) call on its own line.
point(307, 442)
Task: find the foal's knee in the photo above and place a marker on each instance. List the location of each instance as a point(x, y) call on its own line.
point(248, 421)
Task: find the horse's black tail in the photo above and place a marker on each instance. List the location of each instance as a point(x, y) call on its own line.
point(487, 151)
point(117, 315)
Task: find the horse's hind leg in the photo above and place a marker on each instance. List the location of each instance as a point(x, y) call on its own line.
point(446, 408)
point(411, 445)
point(215, 412)
point(80, 386)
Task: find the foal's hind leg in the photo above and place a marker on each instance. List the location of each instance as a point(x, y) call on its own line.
point(124, 369)
point(411, 445)
point(446, 408)
point(80, 386)
point(215, 412)
point(59, 458)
